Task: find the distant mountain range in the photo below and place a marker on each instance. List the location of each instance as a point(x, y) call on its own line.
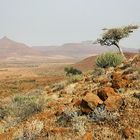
point(75, 50)
point(79, 50)
point(10, 49)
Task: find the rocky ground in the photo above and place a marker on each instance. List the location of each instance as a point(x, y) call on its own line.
point(103, 104)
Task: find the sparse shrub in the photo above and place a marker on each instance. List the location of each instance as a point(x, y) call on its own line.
point(98, 71)
point(22, 106)
point(32, 130)
point(72, 71)
point(58, 86)
point(4, 111)
point(74, 79)
point(25, 106)
point(64, 119)
point(73, 118)
point(101, 114)
point(109, 60)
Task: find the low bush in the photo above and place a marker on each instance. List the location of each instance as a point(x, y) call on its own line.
point(23, 106)
point(72, 71)
point(98, 71)
point(109, 60)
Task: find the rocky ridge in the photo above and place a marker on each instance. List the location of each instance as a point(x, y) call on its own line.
point(103, 104)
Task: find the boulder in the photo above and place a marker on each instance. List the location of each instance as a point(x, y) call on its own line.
point(113, 103)
point(111, 99)
point(106, 92)
point(90, 102)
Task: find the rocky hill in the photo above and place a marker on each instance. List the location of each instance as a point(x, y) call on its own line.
point(101, 104)
point(10, 48)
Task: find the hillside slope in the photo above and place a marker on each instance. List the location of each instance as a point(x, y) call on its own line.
point(89, 63)
point(99, 106)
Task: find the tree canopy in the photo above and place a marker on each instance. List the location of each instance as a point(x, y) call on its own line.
point(114, 35)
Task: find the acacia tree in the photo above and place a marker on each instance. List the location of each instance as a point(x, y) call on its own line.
point(113, 36)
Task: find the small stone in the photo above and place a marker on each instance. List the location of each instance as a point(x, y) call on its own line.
point(128, 132)
point(60, 130)
point(77, 102)
point(88, 136)
point(86, 79)
point(137, 95)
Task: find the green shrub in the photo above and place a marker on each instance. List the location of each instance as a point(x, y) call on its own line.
point(72, 71)
point(109, 60)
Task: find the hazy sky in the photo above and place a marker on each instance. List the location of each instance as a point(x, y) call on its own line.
point(49, 22)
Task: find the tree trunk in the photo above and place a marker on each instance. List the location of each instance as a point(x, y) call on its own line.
point(120, 50)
